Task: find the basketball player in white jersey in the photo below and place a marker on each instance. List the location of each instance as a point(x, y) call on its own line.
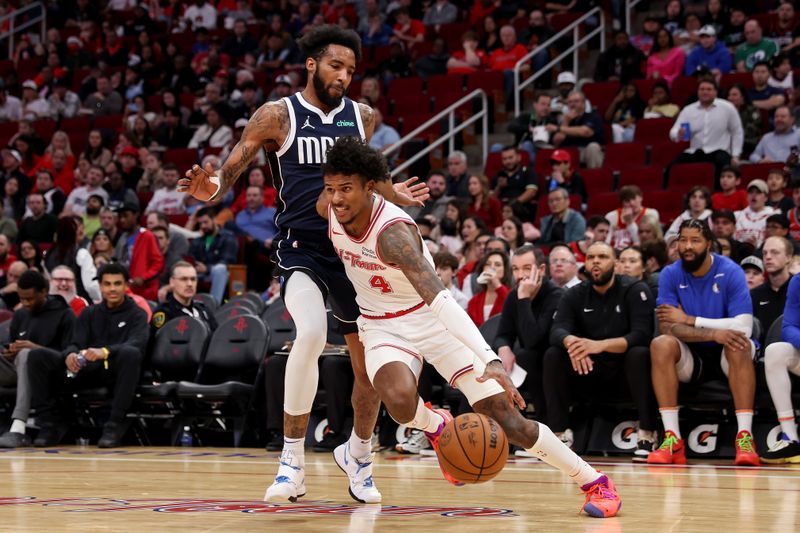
point(296, 132)
point(408, 316)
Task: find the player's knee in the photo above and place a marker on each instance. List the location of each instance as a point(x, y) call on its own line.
point(776, 356)
point(664, 349)
point(402, 405)
point(738, 357)
point(311, 340)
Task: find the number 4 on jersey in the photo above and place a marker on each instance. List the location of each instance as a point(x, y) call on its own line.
point(378, 282)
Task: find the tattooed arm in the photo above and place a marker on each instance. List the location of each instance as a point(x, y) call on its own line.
point(401, 246)
point(368, 120)
point(265, 129)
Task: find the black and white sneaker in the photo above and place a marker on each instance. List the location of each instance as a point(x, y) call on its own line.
point(782, 452)
point(643, 449)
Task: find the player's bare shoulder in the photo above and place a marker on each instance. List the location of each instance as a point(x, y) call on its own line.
point(270, 122)
point(367, 118)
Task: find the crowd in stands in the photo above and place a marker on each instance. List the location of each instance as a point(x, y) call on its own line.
point(100, 118)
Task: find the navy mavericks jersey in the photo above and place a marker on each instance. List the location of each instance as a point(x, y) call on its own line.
point(297, 166)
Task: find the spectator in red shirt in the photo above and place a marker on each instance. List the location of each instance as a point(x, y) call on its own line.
point(63, 174)
point(482, 203)
point(470, 58)
point(138, 250)
point(506, 57)
point(6, 257)
point(482, 9)
point(255, 178)
point(332, 11)
point(731, 197)
point(407, 30)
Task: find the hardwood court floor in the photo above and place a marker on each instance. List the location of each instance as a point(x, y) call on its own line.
point(148, 490)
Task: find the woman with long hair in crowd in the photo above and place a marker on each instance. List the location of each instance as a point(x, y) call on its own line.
point(13, 198)
point(472, 228)
point(666, 60)
point(95, 152)
point(494, 283)
point(67, 251)
point(59, 141)
point(749, 114)
point(511, 232)
point(626, 108)
point(482, 202)
point(30, 253)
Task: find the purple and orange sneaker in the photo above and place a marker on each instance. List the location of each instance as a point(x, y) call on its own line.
point(602, 500)
point(434, 440)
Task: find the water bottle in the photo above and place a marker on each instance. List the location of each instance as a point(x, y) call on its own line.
point(186, 437)
point(81, 364)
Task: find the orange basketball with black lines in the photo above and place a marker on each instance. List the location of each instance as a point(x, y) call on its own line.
point(473, 448)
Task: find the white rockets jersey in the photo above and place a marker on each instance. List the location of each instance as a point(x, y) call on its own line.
point(381, 289)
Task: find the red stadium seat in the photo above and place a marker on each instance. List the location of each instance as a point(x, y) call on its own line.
point(682, 88)
point(684, 176)
point(490, 81)
point(601, 94)
point(409, 103)
point(409, 122)
point(81, 122)
point(731, 78)
point(624, 155)
point(45, 128)
point(664, 153)
point(181, 157)
point(400, 87)
point(645, 87)
point(653, 130)
point(111, 122)
point(600, 204)
point(445, 83)
point(646, 178)
point(668, 203)
point(443, 100)
point(598, 180)
point(757, 171)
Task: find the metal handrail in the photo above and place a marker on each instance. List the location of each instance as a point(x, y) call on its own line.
point(629, 5)
point(574, 27)
point(14, 29)
point(451, 133)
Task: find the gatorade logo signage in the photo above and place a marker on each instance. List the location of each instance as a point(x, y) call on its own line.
point(703, 438)
point(773, 436)
point(624, 434)
point(345, 124)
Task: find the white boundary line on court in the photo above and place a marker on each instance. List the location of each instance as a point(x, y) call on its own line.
point(636, 470)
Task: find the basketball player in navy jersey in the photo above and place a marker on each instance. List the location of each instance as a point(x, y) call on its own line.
point(408, 316)
point(296, 132)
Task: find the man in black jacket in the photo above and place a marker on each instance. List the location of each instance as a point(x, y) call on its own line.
point(214, 251)
point(527, 317)
point(602, 330)
point(180, 299)
point(107, 344)
point(43, 322)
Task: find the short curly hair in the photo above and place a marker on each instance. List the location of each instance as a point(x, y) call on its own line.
point(351, 156)
point(316, 42)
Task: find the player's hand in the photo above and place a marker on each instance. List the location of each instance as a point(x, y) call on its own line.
point(72, 363)
point(197, 182)
point(411, 193)
point(494, 370)
point(507, 357)
point(22, 344)
point(579, 350)
point(730, 338)
point(670, 313)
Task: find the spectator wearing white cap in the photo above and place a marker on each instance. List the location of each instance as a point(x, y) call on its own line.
point(709, 55)
point(10, 106)
point(283, 87)
point(751, 222)
point(33, 105)
point(753, 271)
point(566, 82)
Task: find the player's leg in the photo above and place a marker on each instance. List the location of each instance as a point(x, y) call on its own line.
point(780, 358)
point(366, 402)
point(637, 373)
point(671, 363)
point(738, 366)
point(305, 302)
point(537, 439)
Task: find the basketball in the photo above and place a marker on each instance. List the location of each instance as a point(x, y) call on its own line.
point(473, 448)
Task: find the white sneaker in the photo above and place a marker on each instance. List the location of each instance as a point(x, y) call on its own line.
point(414, 443)
point(567, 437)
point(290, 481)
point(359, 471)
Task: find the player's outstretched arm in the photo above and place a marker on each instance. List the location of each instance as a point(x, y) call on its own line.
point(401, 246)
point(263, 128)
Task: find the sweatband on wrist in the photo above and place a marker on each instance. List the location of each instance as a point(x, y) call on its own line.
point(215, 180)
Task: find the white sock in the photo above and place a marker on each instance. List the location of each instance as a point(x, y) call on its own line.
point(744, 419)
point(358, 446)
point(669, 415)
point(425, 419)
point(294, 452)
point(18, 426)
point(552, 451)
point(786, 419)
